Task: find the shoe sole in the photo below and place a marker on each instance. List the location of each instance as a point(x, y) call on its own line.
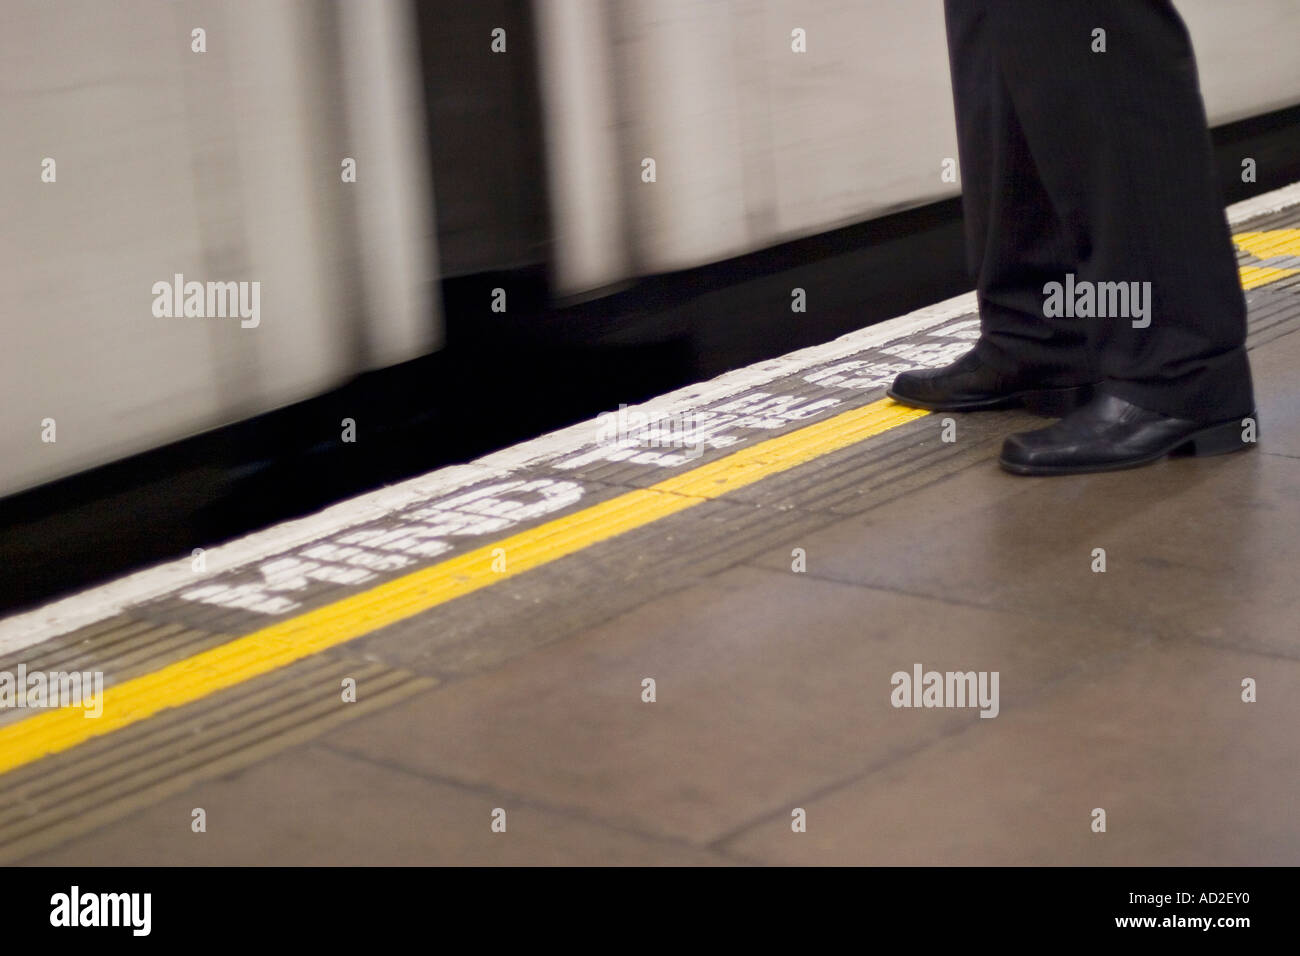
point(1048, 402)
point(1221, 439)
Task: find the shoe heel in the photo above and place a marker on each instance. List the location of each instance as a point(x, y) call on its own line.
point(1057, 402)
point(1219, 439)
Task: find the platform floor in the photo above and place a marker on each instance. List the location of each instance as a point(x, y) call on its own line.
point(499, 621)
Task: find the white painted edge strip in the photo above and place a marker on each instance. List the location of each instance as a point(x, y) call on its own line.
point(1275, 201)
point(96, 604)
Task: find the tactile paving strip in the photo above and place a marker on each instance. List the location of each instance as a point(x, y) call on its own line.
point(71, 793)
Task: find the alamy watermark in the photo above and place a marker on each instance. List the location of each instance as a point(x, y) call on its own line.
point(39, 689)
point(208, 300)
point(1099, 300)
point(922, 688)
point(130, 910)
point(630, 428)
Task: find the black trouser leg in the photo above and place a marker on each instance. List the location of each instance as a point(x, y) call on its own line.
point(1118, 147)
point(1015, 243)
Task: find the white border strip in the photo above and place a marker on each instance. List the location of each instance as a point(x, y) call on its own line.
point(99, 603)
point(1275, 201)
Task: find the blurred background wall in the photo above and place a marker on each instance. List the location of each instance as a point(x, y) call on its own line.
point(220, 165)
point(756, 144)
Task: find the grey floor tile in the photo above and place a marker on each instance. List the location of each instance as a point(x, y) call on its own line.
point(1186, 772)
point(316, 807)
point(769, 685)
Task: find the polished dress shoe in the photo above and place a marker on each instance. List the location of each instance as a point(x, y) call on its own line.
point(968, 385)
point(1109, 433)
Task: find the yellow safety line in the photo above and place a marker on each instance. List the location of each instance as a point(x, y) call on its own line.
point(1252, 277)
point(1270, 244)
point(282, 643)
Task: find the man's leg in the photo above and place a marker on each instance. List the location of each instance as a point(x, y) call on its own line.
point(1015, 244)
point(1120, 141)
point(1015, 241)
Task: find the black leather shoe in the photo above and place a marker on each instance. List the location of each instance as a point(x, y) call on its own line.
point(1109, 433)
point(968, 385)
